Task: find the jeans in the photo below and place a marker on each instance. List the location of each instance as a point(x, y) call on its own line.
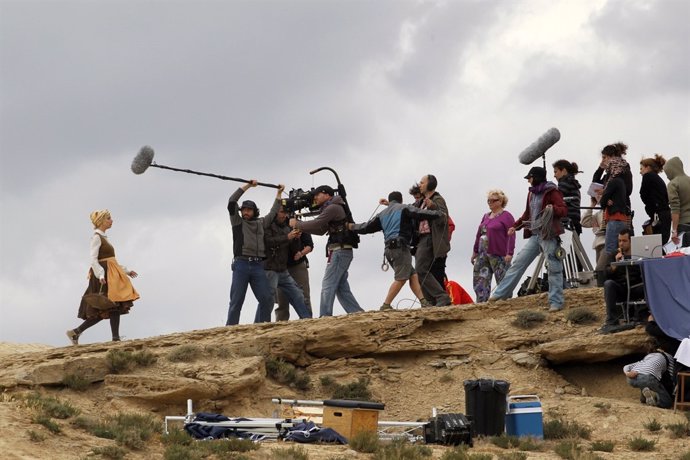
point(613, 228)
point(523, 259)
point(335, 284)
point(651, 382)
point(288, 286)
point(299, 273)
point(245, 273)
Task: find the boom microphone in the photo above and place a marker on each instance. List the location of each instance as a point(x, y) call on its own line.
point(144, 159)
point(539, 147)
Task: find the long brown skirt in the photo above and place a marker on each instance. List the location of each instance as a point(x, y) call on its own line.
point(86, 311)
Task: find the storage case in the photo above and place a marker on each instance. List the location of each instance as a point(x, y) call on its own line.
point(449, 429)
point(524, 416)
point(351, 417)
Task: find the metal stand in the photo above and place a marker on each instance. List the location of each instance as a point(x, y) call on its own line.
point(575, 253)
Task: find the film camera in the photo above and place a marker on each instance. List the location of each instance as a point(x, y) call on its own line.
point(299, 199)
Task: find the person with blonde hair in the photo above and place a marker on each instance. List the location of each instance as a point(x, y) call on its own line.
point(493, 246)
point(106, 277)
point(655, 197)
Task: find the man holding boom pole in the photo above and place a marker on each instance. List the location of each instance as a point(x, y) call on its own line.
point(249, 250)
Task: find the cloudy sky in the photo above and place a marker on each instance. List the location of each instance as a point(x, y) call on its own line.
point(382, 91)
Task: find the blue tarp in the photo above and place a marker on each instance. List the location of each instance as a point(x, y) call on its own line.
point(667, 288)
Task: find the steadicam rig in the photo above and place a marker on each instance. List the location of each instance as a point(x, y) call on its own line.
point(144, 160)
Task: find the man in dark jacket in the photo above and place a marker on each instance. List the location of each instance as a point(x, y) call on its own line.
point(249, 250)
point(277, 238)
point(397, 222)
point(618, 282)
point(542, 226)
point(434, 243)
point(298, 267)
point(333, 220)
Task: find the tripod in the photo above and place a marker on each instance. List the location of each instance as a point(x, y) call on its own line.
point(575, 259)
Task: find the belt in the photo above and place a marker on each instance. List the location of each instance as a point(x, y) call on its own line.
point(250, 259)
point(337, 247)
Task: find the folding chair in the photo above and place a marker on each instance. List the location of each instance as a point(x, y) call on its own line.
point(682, 400)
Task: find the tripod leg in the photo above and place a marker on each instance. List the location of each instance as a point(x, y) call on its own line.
point(537, 270)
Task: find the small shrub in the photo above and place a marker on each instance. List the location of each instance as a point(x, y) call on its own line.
point(512, 456)
point(505, 442)
point(111, 452)
point(75, 382)
point(184, 354)
point(327, 381)
point(302, 381)
point(652, 425)
point(35, 436)
point(530, 444)
point(603, 408)
point(458, 453)
point(119, 360)
point(291, 453)
point(94, 427)
point(280, 370)
point(678, 430)
point(47, 422)
point(176, 436)
point(358, 390)
point(685, 456)
point(603, 446)
point(230, 445)
point(562, 429)
point(133, 430)
point(570, 450)
point(402, 449)
point(640, 444)
point(365, 441)
point(527, 319)
point(446, 378)
point(52, 407)
point(580, 315)
point(145, 358)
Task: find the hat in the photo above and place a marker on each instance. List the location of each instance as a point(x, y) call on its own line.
point(537, 173)
point(249, 204)
point(328, 190)
point(97, 217)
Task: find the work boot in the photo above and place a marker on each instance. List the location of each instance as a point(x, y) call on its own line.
point(554, 308)
point(385, 307)
point(425, 303)
point(73, 336)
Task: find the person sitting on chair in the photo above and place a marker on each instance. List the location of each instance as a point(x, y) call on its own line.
point(616, 286)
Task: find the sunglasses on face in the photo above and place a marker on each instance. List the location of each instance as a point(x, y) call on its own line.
point(493, 200)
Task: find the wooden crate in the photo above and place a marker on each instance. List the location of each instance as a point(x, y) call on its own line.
point(350, 421)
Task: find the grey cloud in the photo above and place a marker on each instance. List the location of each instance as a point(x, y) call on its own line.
point(651, 43)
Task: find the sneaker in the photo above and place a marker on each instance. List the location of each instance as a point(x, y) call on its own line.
point(554, 308)
point(493, 299)
point(425, 303)
point(651, 397)
point(116, 339)
point(73, 336)
point(385, 307)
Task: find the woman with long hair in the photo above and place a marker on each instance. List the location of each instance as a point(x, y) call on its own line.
point(106, 277)
point(655, 196)
point(564, 172)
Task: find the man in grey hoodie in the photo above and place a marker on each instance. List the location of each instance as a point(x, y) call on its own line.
point(341, 241)
point(679, 200)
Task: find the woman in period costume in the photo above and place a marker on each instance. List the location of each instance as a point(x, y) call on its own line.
point(493, 246)
point(106, 276)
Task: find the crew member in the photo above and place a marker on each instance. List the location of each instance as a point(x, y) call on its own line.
point(249, 250)
point(298, 267)
point(396, 222)
point(333, 219)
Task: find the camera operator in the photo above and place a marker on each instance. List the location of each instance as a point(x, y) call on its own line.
point(249, 250)
point(333, 220)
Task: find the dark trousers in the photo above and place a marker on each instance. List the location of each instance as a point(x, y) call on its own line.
point(424, 260)
point(617, 292)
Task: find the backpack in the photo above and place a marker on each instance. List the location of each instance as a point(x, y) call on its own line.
point(670, 375)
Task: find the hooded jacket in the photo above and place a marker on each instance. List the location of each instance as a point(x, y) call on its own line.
point(678, 189)
point(552, 196)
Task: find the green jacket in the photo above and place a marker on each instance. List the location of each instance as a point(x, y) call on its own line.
point(678, 189)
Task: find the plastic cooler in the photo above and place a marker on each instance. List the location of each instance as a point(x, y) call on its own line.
point(524, 416)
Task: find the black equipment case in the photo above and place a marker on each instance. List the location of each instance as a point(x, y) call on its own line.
point(449, 429)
